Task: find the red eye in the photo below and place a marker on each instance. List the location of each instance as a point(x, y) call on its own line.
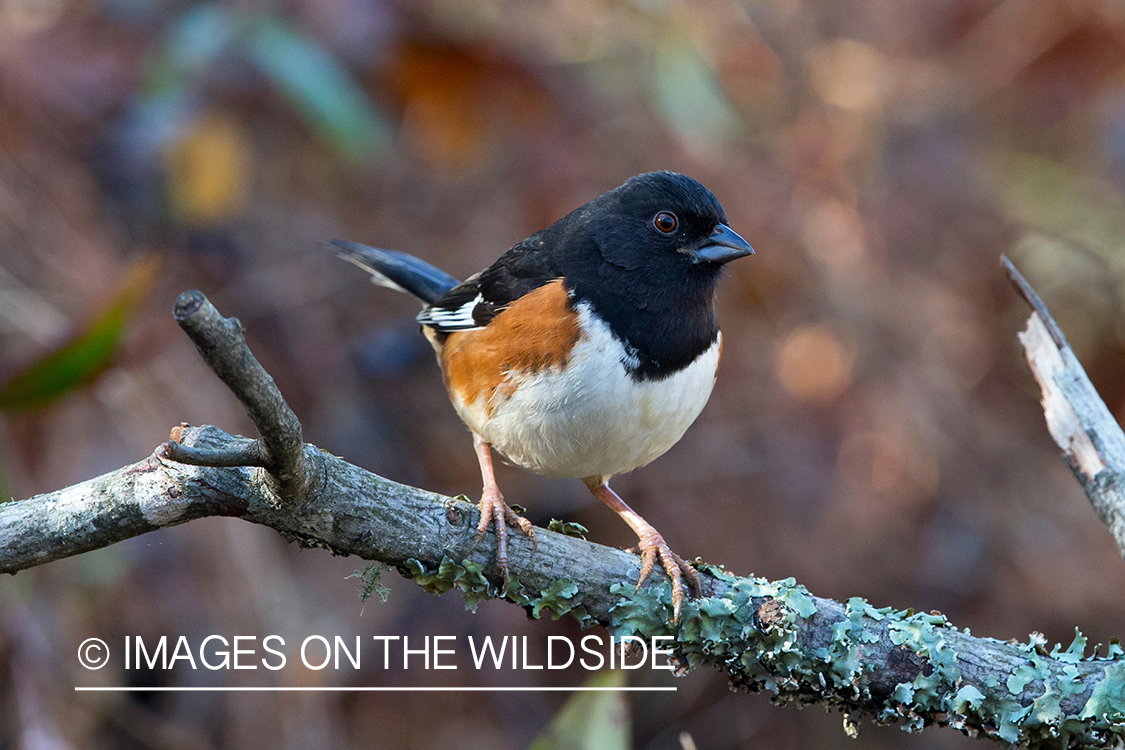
point(665, 222)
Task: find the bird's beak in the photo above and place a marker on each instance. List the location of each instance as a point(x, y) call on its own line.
point(722, 246)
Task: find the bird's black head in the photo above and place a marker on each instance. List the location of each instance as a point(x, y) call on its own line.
point(647, 257)
point(664, 223)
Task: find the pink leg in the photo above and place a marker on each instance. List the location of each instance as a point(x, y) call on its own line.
point(651, 545)
point(494, 511)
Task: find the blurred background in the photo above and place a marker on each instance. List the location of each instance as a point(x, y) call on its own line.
point(874, 431)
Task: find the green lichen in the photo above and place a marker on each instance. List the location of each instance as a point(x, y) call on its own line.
point(903, 693)
point(557, 599)
point(857, 612)
point(716, 628)
point(1107, 700)
point(968, 697)
point(647, 611)
point(1020, 679)
point(1075, 652)
point(758, 631)
point(561, 597)
point(371, 582)
point(774, 635)
point(796, 597)
point(465, 576)
point(922, 634)
point(568, 528)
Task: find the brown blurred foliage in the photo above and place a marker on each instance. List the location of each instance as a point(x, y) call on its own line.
point(874, 431)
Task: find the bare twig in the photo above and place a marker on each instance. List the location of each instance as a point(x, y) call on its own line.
point(222, 344)
point(240, 452)
point(1034, 302)
point(1079, 421)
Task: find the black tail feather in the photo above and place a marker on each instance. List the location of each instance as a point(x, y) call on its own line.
point(398, 270)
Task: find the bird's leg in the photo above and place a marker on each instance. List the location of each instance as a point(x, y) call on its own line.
point(651, 546)
point(493, 510)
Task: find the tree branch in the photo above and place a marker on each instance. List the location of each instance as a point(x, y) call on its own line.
point(1079, 421)
point(892, 665)
point(222, 344)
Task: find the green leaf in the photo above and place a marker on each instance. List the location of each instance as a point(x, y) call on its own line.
point(590, 721)
point(1067, 204)
point(199, 36)
point(87, 355)
point(318, 87)
point(196, 39)
point(688, 93)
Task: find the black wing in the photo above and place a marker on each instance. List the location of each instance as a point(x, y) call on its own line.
point(471, 304)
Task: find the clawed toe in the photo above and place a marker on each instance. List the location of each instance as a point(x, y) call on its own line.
point(496, 513)
point(651, 546)
point(654, 548)
point(515, 519)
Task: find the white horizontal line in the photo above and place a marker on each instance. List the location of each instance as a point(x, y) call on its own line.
point(102, 689)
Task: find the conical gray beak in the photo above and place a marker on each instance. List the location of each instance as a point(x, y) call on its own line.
point(722, 246)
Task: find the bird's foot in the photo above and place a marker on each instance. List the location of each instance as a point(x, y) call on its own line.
point(652, 548)
point(495, 512)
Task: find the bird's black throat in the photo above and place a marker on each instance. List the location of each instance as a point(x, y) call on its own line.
point(665, 324)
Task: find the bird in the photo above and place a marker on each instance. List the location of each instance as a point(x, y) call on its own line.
point(584, 351)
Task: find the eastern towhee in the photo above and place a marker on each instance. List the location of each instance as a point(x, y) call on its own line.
point(587, 349)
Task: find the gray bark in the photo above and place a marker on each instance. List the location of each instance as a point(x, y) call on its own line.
point(1091, 441)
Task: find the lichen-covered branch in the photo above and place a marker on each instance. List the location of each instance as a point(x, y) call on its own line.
point(892, 665)
point(888, 664)
point(1079, 421)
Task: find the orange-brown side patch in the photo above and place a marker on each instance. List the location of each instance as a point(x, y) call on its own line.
point(536, 332)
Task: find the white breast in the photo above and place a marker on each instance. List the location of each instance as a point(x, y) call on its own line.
point(592, 418)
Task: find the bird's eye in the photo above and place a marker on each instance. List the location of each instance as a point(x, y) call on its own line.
point(665, 222)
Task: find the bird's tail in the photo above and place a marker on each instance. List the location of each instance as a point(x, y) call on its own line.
point(396, 270)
